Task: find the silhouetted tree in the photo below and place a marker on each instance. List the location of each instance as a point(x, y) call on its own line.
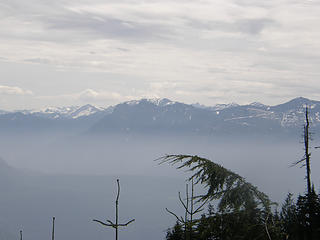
point(191, 208)
point(115, 225)
point(306, 204)
point(225, 186)
point(309, 223)
point(289, 219)
point(176, 233)
point(242, 210)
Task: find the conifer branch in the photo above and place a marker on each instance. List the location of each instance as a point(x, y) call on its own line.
point(178, 219)
point(230, 188)
point(183, 204)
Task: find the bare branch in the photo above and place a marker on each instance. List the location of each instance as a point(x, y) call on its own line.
point(297, 162)
point(104, 224)
point(178, 219)
point(199, 209)
point(184, 205)
point(126, 224)
point(115, 225)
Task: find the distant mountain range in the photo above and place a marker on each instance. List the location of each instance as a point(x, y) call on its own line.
point(71, 112)
point(153, 116)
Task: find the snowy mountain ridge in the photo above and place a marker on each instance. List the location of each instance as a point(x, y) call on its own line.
point(150, 115)
point(70, 112)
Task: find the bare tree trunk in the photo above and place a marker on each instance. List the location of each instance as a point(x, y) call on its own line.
point(117, 209)
point(307, 153)
point(191, 208)
point(306, 136)
point(306, 162)
point(186, 213)
point(115, 225)
point(53, 219)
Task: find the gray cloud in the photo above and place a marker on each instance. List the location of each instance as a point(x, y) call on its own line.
point(38, 60)
point(235, 50)
point(106, 27)
point(250, 3)
point(246, 26)
point(253, 26)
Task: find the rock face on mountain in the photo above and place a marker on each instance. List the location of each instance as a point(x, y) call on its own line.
point(162, 116)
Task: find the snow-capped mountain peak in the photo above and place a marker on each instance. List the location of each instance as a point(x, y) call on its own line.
point(85, 110)
point(155, 101)
point(257, 104)
point(224, 106)
point(164, 113)
point(64, 112)
point(60, 110)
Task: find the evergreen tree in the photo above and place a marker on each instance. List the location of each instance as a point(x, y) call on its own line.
point(176, 233)
point(309, 222)
point(242, 210)
point(289, 218)
point(228, 188)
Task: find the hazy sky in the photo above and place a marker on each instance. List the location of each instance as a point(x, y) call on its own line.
point(72, 52)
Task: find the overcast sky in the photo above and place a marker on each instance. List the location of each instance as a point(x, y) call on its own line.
point(73, 52)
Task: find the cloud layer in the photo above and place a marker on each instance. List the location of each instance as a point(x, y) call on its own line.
point(8, 90)
point(226, 50)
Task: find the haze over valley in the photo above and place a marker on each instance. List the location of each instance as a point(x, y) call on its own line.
point(92, 91)
point(63, 162)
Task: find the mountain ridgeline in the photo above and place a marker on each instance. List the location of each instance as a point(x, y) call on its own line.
point(68, 168)
point(162, 116)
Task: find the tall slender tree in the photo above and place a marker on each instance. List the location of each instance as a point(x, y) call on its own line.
point(115, 225)
point(305, 161)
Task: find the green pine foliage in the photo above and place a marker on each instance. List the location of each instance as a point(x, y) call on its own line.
point(242, 212)
point(232, 191)
point(308, 216)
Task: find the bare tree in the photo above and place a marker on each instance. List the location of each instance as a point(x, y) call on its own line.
point(190, 211)
point(115, 225)
point(305, 161)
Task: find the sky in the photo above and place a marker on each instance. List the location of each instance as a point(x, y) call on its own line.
point(74, 52)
